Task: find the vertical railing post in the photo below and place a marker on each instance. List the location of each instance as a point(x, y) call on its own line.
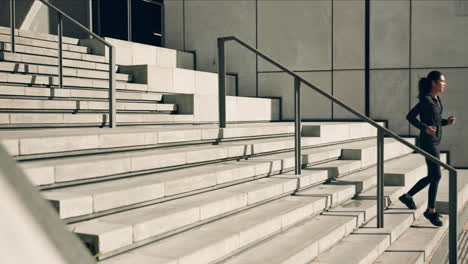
point(163, 23)
point(112, 89)
point(380, 178)
point(12, 25)
point(453, 217)
point(60, 49)
point(297, 125)
point(90, 18)
point(129, 20)
point(222, 83)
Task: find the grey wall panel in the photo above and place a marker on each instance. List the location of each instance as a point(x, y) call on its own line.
point(389, 98)
point(389, 34)
point(296, 33)
point(313, 105)
point(174, 24)
point(208, 20)
point(415, 76)
point(22, 9)
point(454, 102)
point(348, 86)
point(78, 10)
point(439, 35)
point(348, 34)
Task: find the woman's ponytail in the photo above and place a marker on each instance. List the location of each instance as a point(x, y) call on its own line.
point(425, 83)
point(424, 87)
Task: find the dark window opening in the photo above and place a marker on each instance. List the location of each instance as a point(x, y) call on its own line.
point(110, 19)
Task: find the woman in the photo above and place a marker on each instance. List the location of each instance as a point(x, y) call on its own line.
point(430, 125)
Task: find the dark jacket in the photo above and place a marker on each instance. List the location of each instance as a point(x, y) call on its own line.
point(430, 114)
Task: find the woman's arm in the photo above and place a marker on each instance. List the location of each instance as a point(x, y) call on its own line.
point(411, 117)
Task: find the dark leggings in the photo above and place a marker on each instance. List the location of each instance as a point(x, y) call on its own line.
point(433, 175)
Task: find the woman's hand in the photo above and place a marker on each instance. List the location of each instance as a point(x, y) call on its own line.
point(431, 130)
point(451, 120)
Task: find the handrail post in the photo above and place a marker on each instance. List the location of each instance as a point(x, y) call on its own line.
point(12, 25)
point(163, 24)
point(60, 49)
point(297, 125)
point(453, 217)
point(112, 89)
point(222, 83)
point(380, 178)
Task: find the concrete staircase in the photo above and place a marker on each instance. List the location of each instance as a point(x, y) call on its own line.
point(29, 94)
point(194, 193)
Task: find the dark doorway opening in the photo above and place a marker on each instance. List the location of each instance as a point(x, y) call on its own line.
point(110, 18)
point(134, 20)
point(147, 17)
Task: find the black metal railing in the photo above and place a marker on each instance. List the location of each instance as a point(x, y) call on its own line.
point(381, 132)
point(60, 16)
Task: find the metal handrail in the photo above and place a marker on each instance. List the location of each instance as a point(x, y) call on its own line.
point(60, 16)
point(381, 132)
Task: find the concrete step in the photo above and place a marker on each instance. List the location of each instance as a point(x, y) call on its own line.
point(151, 221)
point(77, 105)
point(343, 192)
point(46, 80)
point(355, 249)
point(218, 239)
point(177, 182)
point(52, 140)
point(401, 258)
point(114, 194)
point(28, 68)
point(300, 244)
point(37, 35)
point(304, 243)
point(42, 43)
point(50, 92)
point(422, 239)
point(137, 161)
point(42, 120)
point(27, 142)
point(24, 49)
point(44, 60)
point(340, 193)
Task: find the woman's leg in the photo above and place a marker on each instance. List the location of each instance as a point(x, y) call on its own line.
point(419, 185)
point(434, 175)
point(431, 172)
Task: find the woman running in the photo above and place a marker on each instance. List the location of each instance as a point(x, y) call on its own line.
point(429, 109)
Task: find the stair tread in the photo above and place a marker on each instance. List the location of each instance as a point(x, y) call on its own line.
point(75, 92)
point(39, 35)
point(234, 232)
point(40, 70)
point(53, 53)
point(140, 160)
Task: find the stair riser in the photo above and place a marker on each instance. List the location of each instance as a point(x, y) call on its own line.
point(52, 53)
point(26, 58)
point(161, 224)
point(139, 163)
point(79, 105)
point(60, 119)
point(43, 43)
point(11, 67)
point(74, 93)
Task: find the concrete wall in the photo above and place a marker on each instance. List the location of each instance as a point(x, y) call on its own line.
point(408, 40)
point(22, 8)
point(323, 40)
point(32, 15)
